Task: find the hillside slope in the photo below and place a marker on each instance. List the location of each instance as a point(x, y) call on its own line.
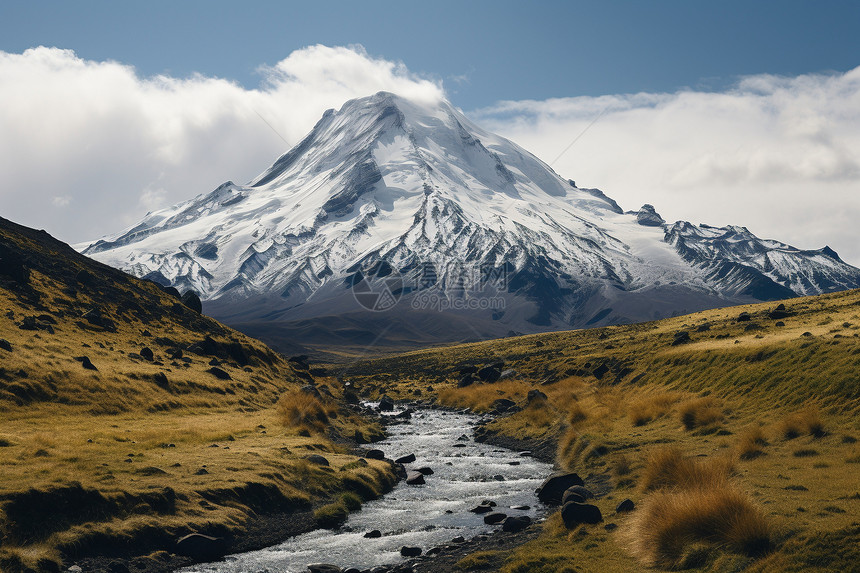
point(130, 420)
point(759, 401)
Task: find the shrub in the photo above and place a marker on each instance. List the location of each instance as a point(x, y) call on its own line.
point(669, 523)
point(299, 409)
point(806, 421)
point(669, 468)
point(700, 412)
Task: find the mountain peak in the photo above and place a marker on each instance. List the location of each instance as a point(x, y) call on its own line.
point(416, 187)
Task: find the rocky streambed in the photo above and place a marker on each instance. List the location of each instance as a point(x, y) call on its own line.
point(469, 490)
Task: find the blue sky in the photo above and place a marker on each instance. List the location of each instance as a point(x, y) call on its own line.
point(719, 112)
point(483, 51)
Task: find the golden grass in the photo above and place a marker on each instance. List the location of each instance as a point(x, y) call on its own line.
point(669, 468)
point(700, 413)
point(669, 523)
point(750, 442)
point(302, 410)
point(803, 422)
point(644, 410)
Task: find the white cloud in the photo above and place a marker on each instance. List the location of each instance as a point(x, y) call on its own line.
point(778, 155)
point(107, 145)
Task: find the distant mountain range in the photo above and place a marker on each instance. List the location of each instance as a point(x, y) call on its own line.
point(402, 223)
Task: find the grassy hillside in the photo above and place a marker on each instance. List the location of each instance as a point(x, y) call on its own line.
point(129, 419)
point(734, 431)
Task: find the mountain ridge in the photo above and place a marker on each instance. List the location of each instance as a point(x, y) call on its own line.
point(418, 188)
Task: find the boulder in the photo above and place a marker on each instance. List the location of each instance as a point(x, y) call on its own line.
point(479, 509)
point(571, 496)
point(514, 524)
point(682, 337)
point(494, 517)
point(489, 374)
point(85, 362)
point(425, 470)
point(535, 395)
point(468, 370)
point(580, 490)
point(466, 380)
point(744, 317)
point(502, 405)
point(406, 551)
point(373, 534)
point(317, 459)
point(600, 371)
point(5, 345)
point(386, 404)
point(573, 513)
point(201, 547)
point(552, 489)
point(147, 354)
point(192, 301)
point(414, 478)
point(375, 455)
point(324, 568)
point(218, 373)
point(625, 506)
point(407, 459)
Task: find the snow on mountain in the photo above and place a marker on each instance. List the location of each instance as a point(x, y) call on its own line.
point(389, 187)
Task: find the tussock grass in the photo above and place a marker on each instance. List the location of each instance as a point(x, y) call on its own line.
point(751, 442)
point(803, 422)
point(669, 523)
point(645, 410)
point(301, 410)
point(669, 468)
point(480, 397)
point(700, 413)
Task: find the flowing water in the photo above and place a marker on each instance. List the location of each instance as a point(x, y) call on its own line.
point(465, 473)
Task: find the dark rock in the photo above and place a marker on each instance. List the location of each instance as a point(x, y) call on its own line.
point(192, 301)
point(373, 534)
point(514, 524)
point(201, 472)
point(386, 404)
point(573, 514)
point(600, 371)
point(218, 373)
point(5, 345)
point(703, 327)
point(147, 354)
point(160, 380)
point(778, 313)
point(571, 496)
point(647, 216)
point(458, 539)
point(466, 380)
point(410, 551)
point(744, 317)
point(375, 455)
point(502, 405)
point(581, 491)
point(535, 395)
point(479, 509)
point(425, 471)
point(324, 568)
point(494, 517)
point(509, 373)
point(625, 506)
point(521, 507)
point(610, 526)
point(552, 489)
point(85, 362)
point(414, 478)
point(779, 323)
point(317, 459)
point(407, 459)
point(468, 370)
point(201, 547)
point(489, 374)
point(682, 337)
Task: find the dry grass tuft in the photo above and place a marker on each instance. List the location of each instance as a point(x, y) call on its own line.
point(575, 414)
point(750, 443)
point(645, 410)
point(700, 412)
point(298, 409)
point(806, 421)
point(668, 523)
point(669, 468)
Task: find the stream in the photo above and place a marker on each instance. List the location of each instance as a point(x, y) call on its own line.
point(465, 473)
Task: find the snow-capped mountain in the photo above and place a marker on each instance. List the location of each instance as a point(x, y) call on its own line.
point(409, 207)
